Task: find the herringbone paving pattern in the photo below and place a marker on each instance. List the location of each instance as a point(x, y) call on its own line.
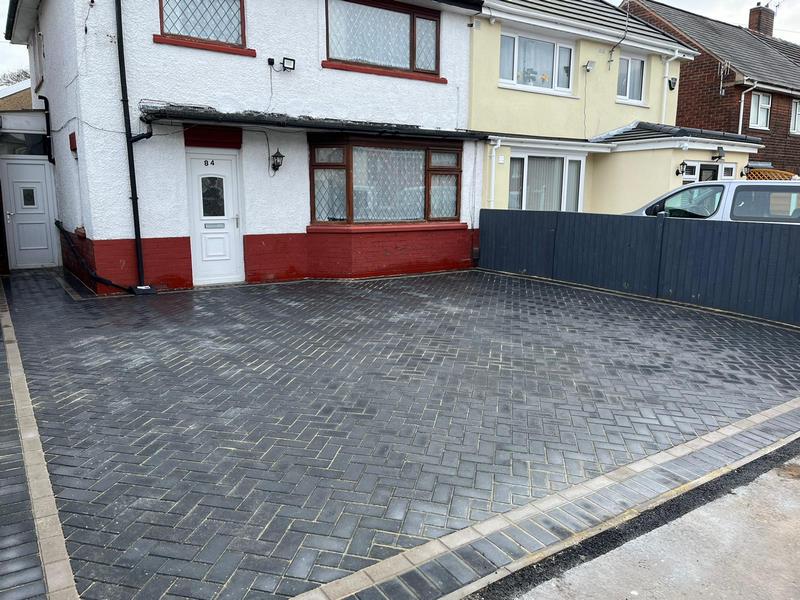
point(20, 565)
point(258, 441)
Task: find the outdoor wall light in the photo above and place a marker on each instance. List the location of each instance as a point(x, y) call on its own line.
point(287, 64)
point(720, 153)
point(746, 171)
point(673, 83)
point(681, 169)
point(277, 160)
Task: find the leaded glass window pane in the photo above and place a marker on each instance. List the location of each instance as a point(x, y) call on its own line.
point(330, 194)
point(329, 156)
point(444, 196)
point(213, 189)
point(218, 20)
point(368, 34)
point(444, 159)
point(426, 44)
point(388, 184)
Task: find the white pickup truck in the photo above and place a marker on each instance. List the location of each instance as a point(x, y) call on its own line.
point(764, 201)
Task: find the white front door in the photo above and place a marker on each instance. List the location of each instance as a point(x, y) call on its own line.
point(30, 212)
point(217, 252)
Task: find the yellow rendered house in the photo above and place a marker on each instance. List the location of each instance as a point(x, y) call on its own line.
point(579, 100)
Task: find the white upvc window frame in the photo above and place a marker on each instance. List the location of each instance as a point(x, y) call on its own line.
point(794, 128)
point(557, 45)
point(694, 177)
point(626, 99)
point(756, 102)
point(526, 154)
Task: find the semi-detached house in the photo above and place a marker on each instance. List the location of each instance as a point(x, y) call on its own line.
point(269, 140)
point(264, 140)
point(581, 99)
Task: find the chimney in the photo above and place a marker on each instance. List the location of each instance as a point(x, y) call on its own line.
point(762, 19)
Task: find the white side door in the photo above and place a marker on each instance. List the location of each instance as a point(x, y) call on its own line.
point(29, 211)
point(217, 245)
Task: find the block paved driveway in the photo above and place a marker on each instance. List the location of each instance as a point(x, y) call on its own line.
point(258, 441)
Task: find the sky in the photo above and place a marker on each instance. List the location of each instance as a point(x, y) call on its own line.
point(787, 24)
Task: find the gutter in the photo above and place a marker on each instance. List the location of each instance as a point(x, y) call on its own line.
point(130, 140)
point(741, 105)
point(12, 17)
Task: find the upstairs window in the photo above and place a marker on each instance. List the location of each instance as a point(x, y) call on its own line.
point(630, 82)
point(760, 109)
point(220, 21)
point(383, 34)
point(795, 128)
point(535, 63)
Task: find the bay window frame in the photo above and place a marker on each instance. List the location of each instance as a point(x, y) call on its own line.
point(177, 39)
point(414, 12)
point(349, 142)
point(557, 45)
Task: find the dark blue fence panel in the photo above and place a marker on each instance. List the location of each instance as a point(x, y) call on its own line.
point(608, 251)
point(748, 268)
point(518, 241)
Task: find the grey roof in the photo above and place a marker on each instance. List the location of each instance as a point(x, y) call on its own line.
point(746, 52)
point(653, 131)
point(205, 114)
point(594, 14)
point(788, 49)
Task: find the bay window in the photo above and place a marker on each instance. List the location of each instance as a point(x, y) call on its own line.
point(358, 180)
point(549, 183)
point(220, 21)
point(382, 34)
point(630, 80)
point(535, 63)
point(760, 109)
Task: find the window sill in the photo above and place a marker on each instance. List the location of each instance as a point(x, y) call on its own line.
point(533, 90)
point(351, 228)
point(632, 103)
point(758, 128)
point(370, 70)
point(202, 45)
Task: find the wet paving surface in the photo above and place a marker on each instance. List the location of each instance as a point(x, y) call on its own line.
point(259, 441)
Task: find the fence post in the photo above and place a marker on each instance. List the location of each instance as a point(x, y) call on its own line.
point(661, 223)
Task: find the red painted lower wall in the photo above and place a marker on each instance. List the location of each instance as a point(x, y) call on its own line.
point(167, 262)
point(362, 251)
point(321, 252)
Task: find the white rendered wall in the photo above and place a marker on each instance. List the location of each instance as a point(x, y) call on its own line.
point(59, 23)
point(230, 83)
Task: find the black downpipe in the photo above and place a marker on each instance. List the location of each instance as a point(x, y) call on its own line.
point(141, 288)
point(77, 254)
point(49, 128)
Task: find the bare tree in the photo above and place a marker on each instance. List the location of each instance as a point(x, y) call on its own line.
point(15, 76)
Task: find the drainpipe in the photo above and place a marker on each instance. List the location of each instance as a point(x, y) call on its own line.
point(49, 129)
point(741, 105)
point(140, 288)
point(666, 86)
point(493, 155)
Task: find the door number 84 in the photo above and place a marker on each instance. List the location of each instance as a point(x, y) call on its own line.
point(208, 162)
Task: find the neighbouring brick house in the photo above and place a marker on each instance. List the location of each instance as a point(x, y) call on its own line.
point(744, 81)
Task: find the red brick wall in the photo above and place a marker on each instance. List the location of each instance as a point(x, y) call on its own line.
point(168, 262)
point(325, 252)
point(701, 105)
point(320, 253)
